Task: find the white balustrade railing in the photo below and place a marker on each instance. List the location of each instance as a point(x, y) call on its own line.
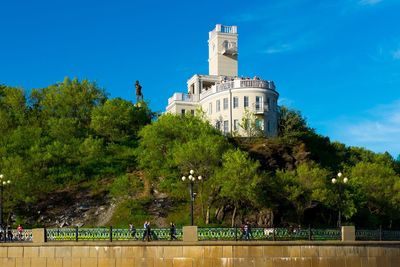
point(219, 87)
point(183, 97)
point(228, 29)
point(208, 92)
point(257, 84)
point(224, 86)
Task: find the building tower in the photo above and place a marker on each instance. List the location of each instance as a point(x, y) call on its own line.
point(223, 51)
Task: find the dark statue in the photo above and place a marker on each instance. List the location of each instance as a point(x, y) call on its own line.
point(139, 95)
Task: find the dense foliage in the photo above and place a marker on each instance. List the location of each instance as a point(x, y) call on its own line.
point(290, 175)
point(71, 133)
point(62, 135)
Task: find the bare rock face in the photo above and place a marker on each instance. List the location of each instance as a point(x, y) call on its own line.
point(69, 207)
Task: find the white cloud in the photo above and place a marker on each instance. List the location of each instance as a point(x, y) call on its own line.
point(379, 130)
point(369, 2)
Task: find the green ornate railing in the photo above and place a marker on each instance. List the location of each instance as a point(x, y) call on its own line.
point(376, 235)
point(210, 234)
point(106, 234)
point(277, 234)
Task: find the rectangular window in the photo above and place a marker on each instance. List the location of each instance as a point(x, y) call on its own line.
point(226, 128)
point(210, 108)
point(258, 103)
point(236, 125)
point(268, 104)
point(218, 125)
point(235, 102)
point(246, 102)
point(225, 103)
point(183, 112)
point(218, 106)
point(268, 126)
point(192, 112)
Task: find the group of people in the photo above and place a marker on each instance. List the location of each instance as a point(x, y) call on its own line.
point(6, 233)
point(148, 234)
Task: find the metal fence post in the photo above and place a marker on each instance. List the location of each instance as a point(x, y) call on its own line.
point(273, 233)
point(76, 234)
point(45, 234)
point(380, 233)
point(236, 239)
point(111, 233)
point(309, 232)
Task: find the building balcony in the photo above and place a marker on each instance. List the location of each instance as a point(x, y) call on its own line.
point(183, 98)
point(259, 109)
point(237, 84)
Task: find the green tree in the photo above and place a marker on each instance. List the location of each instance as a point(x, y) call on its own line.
point(251, 124)
point(202, 154)
point(238, 179)
point(304, 187)
point(69, 99)
point(291, 123)
point(377, 188)
point(114, 120)
point(160, 140)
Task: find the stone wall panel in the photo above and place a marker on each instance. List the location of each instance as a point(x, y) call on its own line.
point(201, 254)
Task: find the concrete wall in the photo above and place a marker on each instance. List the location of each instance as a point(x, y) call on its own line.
point(182, 254)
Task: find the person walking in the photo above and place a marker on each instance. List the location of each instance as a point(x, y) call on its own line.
point(20, 229)
point(144, 230)
point(249, 235)
point(132, 230)
point(10, 236)
point(172, 231)
point(246, 231)
point(148, 230)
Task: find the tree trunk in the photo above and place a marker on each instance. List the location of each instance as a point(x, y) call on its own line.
point(208, 214)
point(233, 217)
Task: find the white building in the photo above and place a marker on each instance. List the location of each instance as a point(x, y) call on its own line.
point(223, 95)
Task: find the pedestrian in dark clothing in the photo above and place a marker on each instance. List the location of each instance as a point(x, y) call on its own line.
point(10, 235)
point(132, 230)
point(148, 230)
point(249, 231)
point(144, 230)
point(246, 231)
point(172, 231)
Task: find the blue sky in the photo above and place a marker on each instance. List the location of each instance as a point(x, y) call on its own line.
point(337, 61)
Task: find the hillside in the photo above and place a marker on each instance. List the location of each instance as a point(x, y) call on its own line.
point(76, 157)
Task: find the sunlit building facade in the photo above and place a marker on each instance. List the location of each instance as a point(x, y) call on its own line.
point(224, 97)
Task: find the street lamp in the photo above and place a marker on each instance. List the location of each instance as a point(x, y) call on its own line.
point(340, 182)
point(3, 183)
point(191, 179)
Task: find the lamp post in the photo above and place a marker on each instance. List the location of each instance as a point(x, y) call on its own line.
point(340, 183)
point(3, 183)
point(191, 179)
